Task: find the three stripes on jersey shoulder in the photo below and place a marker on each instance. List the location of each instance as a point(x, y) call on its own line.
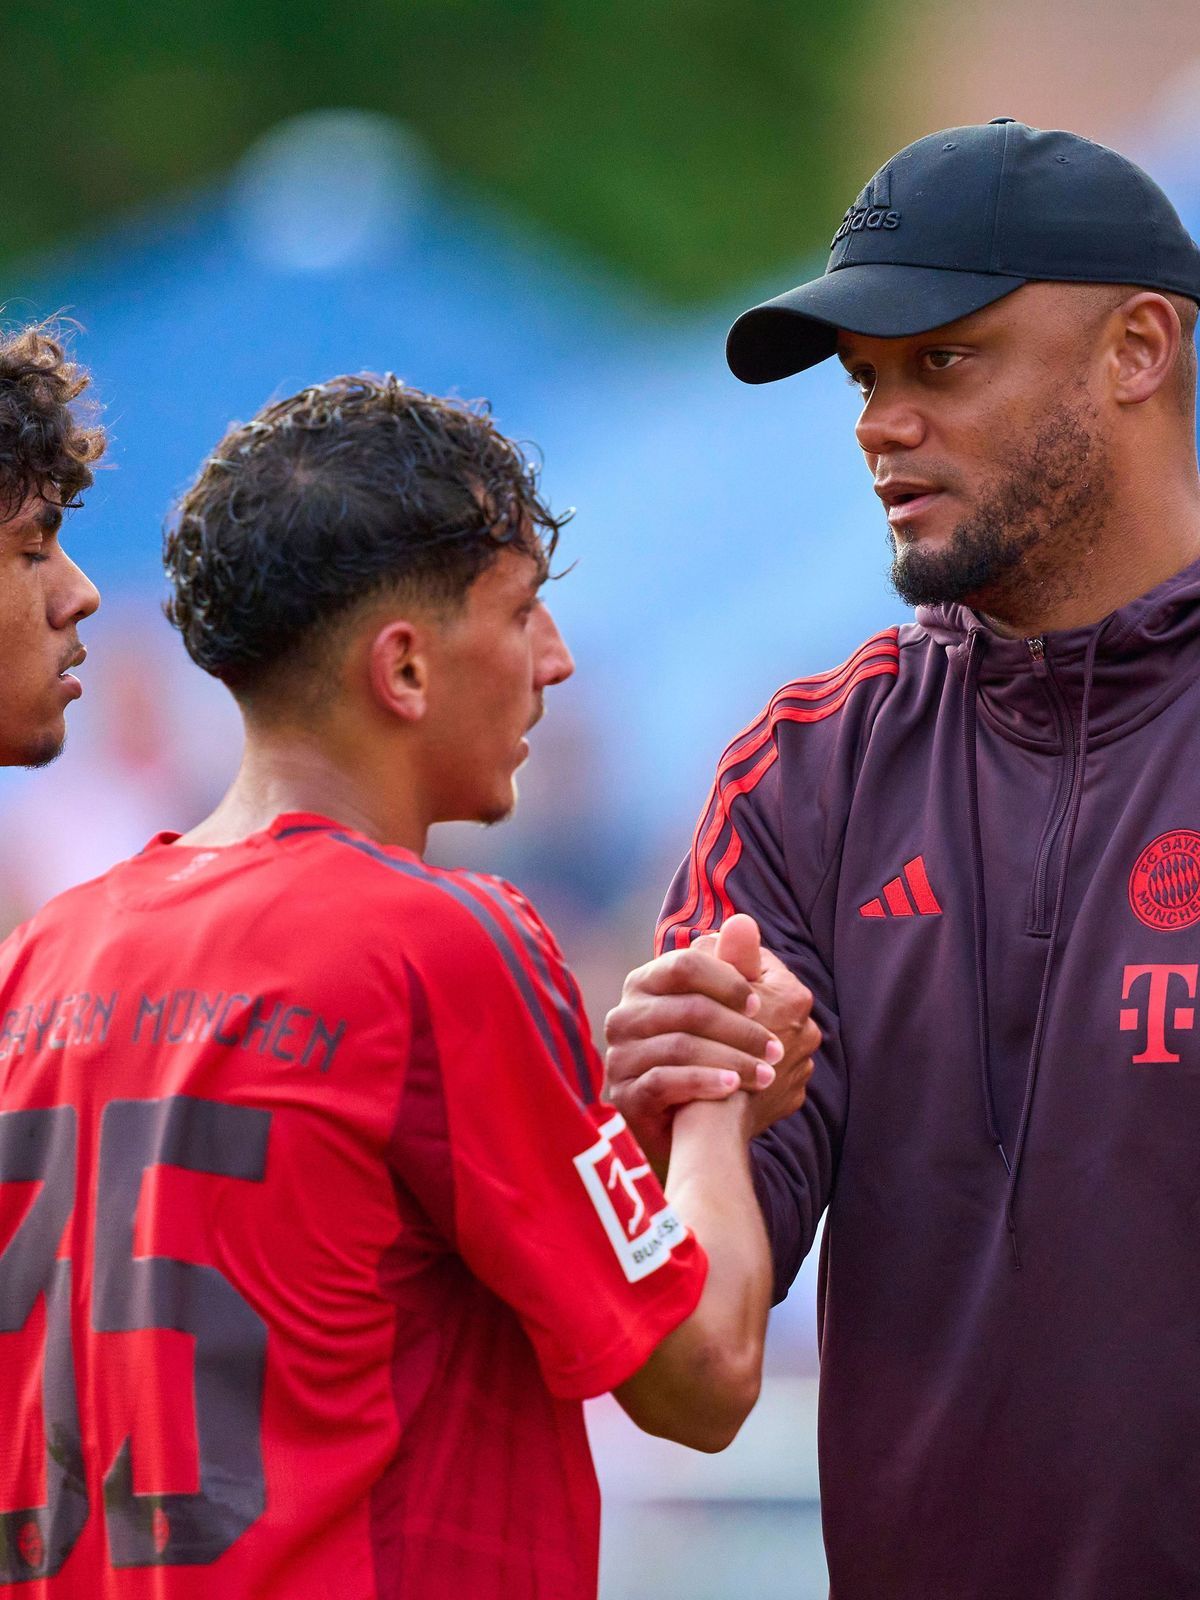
point(545, 984)
point(717, 845)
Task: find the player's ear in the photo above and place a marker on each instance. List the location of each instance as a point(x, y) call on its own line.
point(1146, 347)
point(398, 670)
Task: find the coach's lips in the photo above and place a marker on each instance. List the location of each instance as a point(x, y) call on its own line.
point(905, 498)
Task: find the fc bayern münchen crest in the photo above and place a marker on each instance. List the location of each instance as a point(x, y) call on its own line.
point(1164, 886)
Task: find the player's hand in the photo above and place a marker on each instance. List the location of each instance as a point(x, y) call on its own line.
point(786, 1008)
point(702, 1022)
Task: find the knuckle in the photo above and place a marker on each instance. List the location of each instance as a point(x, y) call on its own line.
point(690, 1049)
point(637, 1019)
point(646, 979)
point(634, 981)
point(616, 1064)
point(686, 965)
point(690, 1013)
point(652, 1089)
point(633, 1097)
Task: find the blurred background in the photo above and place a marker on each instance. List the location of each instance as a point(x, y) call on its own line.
point(558, 205)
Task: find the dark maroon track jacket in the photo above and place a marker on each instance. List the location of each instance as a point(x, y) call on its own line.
point(983, 856)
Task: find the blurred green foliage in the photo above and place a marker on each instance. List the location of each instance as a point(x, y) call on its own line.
point(691, 143)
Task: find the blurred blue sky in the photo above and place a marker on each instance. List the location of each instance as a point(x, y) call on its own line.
point(726, 536)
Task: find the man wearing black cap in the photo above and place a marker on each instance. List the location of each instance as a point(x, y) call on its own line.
point(978, 844)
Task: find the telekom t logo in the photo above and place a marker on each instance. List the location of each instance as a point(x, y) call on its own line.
point(1165, 985)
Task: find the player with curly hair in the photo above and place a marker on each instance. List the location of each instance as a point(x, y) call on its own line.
point(347, 1229)
point(48, 446)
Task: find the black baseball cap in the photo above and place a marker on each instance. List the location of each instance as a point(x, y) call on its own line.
point(960, 219)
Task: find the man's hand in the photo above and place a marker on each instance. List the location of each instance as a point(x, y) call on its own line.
point(696, 1024)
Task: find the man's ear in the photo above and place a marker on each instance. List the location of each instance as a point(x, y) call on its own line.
point(398, 670)
point(1147, 346)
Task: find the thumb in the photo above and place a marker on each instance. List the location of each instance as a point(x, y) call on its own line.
point(740, 943)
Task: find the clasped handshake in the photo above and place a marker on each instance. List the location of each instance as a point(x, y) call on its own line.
point(703, 1023)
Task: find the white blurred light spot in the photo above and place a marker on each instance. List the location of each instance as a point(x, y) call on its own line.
point(327, 190)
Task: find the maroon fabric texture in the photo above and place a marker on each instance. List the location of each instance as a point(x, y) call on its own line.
point(1003, 1120)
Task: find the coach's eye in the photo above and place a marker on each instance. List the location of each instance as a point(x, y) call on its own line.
point(861, 378)
point(943, 360)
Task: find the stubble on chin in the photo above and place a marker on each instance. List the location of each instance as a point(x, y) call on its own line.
point(1021, 550)
point(41, 753)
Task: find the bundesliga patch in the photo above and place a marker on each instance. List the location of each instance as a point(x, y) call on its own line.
point(641, 1227)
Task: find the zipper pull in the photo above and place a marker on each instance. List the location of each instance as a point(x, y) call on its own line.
point(1037, 654)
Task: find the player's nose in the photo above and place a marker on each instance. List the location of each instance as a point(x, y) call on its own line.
point(555, 663)
point(74, 596)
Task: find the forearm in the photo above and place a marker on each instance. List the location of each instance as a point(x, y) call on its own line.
point(701, 1382)
point(711, 1188)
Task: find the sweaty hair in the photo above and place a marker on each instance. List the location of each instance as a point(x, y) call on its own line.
point(344, 492)
point(47, 441)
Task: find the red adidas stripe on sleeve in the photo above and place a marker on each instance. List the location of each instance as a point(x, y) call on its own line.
point(806, 700)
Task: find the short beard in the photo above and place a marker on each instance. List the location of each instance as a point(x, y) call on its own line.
point(41, 754)
point(1020, 551)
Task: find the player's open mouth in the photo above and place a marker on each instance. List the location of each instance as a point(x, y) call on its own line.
point(67, 678)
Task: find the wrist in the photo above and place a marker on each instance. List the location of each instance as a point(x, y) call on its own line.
point(729, 1118)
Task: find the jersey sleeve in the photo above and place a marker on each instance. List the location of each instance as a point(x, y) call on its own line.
point(739, 862)
point(546, 1195)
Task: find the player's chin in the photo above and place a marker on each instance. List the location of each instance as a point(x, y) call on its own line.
point(498, 807)
point(40, 751)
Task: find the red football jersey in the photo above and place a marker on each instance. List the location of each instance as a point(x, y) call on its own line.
point(313, 1234)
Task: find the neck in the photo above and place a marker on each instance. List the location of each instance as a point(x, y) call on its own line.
point(289, 771)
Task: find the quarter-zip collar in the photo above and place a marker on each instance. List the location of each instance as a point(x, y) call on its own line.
point(1144, 654)
point(1055, 674)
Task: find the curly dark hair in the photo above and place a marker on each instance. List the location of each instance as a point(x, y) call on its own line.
point(47, 440)
point(328, 498)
